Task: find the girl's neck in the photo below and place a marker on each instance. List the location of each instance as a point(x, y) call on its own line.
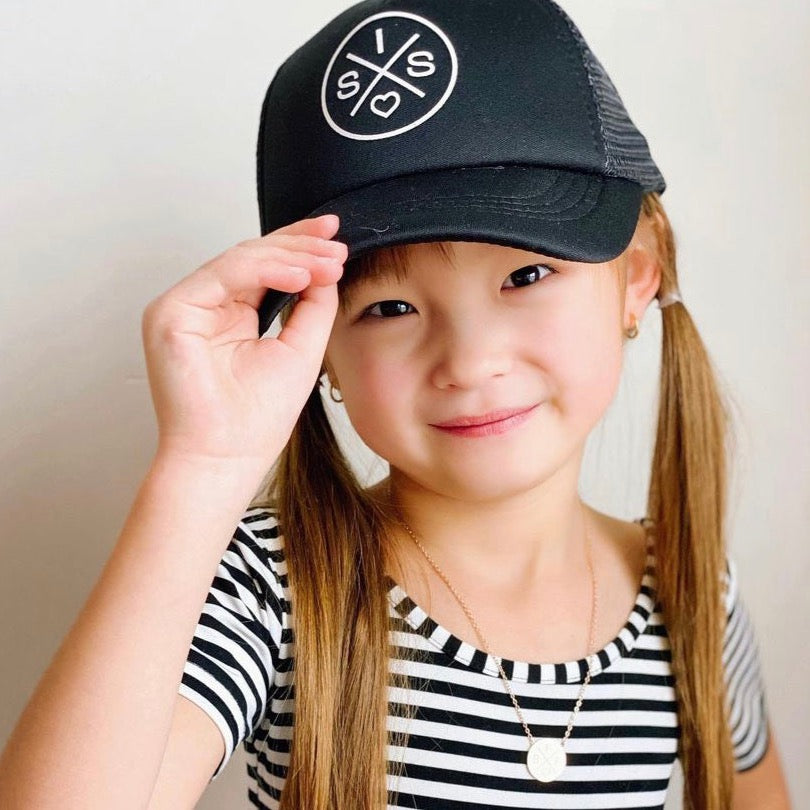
point(526, 539)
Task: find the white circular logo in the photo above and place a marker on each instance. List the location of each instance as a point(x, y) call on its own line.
point(391, 73)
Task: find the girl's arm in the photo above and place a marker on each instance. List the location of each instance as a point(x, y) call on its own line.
point(94, 732)
point(763, 787)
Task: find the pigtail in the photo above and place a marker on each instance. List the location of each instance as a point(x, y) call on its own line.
point(687, 500)
point(334, 545)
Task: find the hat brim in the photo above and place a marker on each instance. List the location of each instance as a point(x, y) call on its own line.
point(577, 216)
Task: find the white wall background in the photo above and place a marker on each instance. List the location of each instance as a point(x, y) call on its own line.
point(127, 156)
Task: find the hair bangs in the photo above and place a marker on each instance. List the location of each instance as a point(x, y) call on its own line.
point(390, 261)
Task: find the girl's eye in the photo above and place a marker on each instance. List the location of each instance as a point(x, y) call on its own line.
point(530, 274)
point(388, 309)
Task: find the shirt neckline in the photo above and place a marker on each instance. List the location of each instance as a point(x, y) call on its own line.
point(465, 655)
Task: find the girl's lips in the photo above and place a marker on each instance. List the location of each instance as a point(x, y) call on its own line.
point(486, 424)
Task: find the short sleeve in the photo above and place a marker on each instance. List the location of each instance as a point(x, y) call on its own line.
point(748, 716)
point(233, 657)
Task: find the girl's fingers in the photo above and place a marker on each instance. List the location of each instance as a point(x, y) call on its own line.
point(324, 226)
point(307, 329)
point(321, 249)
point(211, 287)
point(302, 241)
point(246, 270)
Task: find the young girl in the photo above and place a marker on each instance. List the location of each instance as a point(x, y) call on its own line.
point(463, 227)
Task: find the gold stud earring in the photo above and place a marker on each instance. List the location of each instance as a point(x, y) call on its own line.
point(633, 330)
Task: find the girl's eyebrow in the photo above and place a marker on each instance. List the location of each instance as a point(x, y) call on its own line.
point(350, 284)
point(384, 272)
point(389, 264)
point(393, 268)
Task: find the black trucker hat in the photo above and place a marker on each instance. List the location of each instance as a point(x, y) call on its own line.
point(471, 120)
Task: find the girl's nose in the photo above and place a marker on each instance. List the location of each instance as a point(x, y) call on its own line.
point(469, 351)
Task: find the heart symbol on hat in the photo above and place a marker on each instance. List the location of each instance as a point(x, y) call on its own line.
point(381, 98)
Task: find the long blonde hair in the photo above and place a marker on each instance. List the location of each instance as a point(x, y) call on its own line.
point(335, 547)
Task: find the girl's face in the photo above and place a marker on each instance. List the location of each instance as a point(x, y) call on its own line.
point(479, 377)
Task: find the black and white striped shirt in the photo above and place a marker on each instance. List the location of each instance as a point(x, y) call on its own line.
point(466, 746)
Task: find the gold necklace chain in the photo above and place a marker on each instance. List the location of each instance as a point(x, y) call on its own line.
point(553, 769)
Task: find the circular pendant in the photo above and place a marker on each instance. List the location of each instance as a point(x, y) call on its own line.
point(546, 759)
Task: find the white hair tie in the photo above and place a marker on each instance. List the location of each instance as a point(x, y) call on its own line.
point(669, 298)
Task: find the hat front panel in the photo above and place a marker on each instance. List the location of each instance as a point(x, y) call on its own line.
point(425, 86)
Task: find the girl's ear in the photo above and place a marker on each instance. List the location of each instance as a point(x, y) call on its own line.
point(642, 272)
point(327, 369)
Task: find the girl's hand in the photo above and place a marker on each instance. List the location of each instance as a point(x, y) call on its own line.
point(220, 392)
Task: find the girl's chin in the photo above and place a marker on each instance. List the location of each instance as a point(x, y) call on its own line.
point(483, 485)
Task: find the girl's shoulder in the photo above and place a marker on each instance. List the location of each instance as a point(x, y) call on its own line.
point(728, 574)
point(256, 551)
point(260, 524)
point(730, 583)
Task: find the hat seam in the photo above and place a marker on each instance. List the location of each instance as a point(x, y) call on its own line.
point(588, 97)
point(502, 202)
point(515, 206)
point(619, 161)
point(515, 209)
point(563, 170)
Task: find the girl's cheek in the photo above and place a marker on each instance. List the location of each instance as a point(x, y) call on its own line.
point(586, 358)
point(378, 403)
point(374, 386)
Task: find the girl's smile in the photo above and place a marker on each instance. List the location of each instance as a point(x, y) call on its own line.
point(489, 424)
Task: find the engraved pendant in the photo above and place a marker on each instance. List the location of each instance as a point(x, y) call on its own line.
point(546, 759)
